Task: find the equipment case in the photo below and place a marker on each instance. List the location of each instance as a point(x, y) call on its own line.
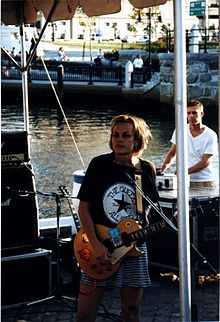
point(26, 276)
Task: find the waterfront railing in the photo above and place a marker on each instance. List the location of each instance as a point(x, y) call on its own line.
point(76, 72)
point(206, 39)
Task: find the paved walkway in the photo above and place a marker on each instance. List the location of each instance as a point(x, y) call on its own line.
point(161, 304)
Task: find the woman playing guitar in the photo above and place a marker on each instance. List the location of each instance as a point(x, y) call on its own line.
point(108, 198)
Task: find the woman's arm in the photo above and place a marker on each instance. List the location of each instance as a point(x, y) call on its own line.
point(89, 228)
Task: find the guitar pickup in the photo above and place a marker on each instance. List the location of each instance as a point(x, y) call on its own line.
point(109, 245)
point(125, 239)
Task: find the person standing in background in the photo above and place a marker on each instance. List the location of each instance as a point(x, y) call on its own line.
point(202, 147)
point(138, 62)
point(61, 55)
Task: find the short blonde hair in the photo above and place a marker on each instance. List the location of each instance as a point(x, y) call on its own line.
point(142, 133)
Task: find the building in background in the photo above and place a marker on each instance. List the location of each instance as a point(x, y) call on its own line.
point(128, 25)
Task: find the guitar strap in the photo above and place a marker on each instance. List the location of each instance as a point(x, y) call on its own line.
point(139, 199)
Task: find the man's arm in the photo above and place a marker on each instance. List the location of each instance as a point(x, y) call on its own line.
point(169, 158)
point(202, 164)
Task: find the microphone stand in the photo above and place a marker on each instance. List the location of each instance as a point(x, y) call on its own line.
point(57, 293)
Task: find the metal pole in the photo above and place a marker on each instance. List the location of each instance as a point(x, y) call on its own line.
point(29, 60)
point(219, 102)
point(24, 77)
point(90, 41)
point(206, 25)
point(207, 15)
point(149, 44)
point(182, 164)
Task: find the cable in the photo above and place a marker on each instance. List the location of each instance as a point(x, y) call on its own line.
point(156, 208)
point(62, 111)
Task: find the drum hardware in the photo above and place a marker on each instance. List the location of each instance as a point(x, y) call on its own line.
point(195, 206)
point(166, 181)
point(195, 201)
point(195, 210)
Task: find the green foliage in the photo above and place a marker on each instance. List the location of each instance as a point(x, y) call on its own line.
point(157, 46)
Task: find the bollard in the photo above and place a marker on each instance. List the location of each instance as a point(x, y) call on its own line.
point(90, 75)
point(120, 76)
point(60, 75)
point(194, 40)
point(128, 74)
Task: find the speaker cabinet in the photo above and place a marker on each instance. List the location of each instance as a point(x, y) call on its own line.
point(205, 231)
point(204, 234)
point(14, 147)
point(25, 277)
point(19, 213)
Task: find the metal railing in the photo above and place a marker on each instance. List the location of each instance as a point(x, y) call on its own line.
point(88, 73)
point(206, 39)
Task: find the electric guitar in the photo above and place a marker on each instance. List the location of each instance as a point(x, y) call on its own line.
point(120, 241)
point(75, 216)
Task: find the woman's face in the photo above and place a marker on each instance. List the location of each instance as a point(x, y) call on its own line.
point(122, 139)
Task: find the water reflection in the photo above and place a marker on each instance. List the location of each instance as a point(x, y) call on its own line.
point(54, 155)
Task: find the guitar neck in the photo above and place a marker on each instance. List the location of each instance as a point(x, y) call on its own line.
point(76, 220)
point(142, 234)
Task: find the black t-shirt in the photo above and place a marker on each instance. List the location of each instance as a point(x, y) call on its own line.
point(110, 189)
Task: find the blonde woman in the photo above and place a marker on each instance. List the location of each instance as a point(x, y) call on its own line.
point(107, 197)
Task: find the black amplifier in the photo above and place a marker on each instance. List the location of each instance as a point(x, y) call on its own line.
point(204, 233)
point(14, 148)
point(19, 210)
point(26, 276)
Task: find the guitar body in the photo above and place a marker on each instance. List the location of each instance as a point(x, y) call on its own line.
point(98, 268)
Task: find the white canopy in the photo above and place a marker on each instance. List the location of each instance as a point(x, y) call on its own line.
point(16, 12)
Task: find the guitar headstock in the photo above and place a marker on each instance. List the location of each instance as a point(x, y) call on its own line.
point(64, 191)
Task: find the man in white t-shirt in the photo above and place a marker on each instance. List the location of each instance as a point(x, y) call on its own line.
point(138, 62)
point(202, 146)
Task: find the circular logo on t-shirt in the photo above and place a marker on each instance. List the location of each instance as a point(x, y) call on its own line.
point(119, 202)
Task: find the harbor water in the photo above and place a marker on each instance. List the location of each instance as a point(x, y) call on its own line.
point(54, 155)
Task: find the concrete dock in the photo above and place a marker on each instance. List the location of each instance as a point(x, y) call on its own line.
point(161, 304)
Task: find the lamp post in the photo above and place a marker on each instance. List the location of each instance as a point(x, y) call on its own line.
point(149, 42)
point(53, 31)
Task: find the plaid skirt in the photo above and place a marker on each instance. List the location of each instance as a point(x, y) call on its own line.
point(133, 272)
